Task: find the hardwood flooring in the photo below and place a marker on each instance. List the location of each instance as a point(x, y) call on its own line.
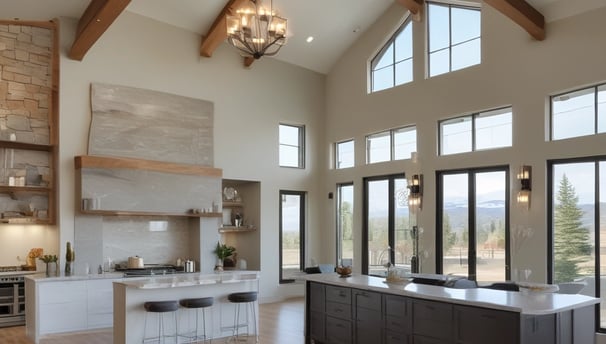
point(280, 322)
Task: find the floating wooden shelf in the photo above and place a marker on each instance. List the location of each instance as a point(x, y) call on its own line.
point(31, 189)
point(234, 229)
point(87, 161)
point(146, 213)
point(26, 146)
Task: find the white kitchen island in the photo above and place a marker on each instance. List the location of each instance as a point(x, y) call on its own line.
point(131, 294)
point(365, 309)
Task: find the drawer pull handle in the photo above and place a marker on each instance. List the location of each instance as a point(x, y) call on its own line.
point(339, 326)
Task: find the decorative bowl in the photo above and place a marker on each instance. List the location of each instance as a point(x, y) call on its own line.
point(344, 271)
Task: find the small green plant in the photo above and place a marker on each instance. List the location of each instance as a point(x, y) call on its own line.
point(223, 251)
point(48, 258)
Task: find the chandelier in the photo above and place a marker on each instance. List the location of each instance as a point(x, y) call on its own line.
point(256, 30)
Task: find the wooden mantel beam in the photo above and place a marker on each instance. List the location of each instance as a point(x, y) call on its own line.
point(97, 17)
point(523, 14)
point(414, 6)
point(218, 31)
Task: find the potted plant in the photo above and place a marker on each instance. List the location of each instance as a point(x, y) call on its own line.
point(52, 264)
point(222, 251)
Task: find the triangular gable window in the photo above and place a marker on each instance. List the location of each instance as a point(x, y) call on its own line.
point(392, 66)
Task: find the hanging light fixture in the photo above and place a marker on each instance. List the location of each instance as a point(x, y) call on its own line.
point(255, 30)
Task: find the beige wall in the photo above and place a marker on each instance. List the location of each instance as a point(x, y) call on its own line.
point(515, 70)
point(248, 103)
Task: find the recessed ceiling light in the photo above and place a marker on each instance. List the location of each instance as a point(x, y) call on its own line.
point(309, 39)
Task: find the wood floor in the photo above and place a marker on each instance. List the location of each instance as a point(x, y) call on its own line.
point(280, 322)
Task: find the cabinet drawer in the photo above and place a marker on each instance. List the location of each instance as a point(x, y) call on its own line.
point(432, 319)
point(338, 331)
point(497, 327)
point(427, 340)
point(367, 299)
point(395, 337)
point(338, 310)
point(396, 324)
point(338, 294)
point(395, 305)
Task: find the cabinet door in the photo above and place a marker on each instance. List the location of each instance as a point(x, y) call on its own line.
point(316, 326)
point(62, 306)
point(100, 301)
point(397, 310)
point(432, 319)
point(538, 329)
point(316, 297)
point(367, 306)
point(338, 310)
point(497, 327)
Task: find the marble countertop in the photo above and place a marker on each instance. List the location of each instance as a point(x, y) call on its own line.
point(41, 277)
point(189, 279)
point(534, 303)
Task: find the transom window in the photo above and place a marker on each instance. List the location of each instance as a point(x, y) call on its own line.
point(479, 131)
point(578, 113)
point(292, 146)
point(454, 37)
point(393, 64)
point(394, 144)
point(344, 154)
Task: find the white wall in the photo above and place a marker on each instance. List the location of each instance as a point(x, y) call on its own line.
point(515, 70)
point(249, 105)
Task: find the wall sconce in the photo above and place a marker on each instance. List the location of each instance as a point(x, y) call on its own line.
point(524, 177)
point(416, 191)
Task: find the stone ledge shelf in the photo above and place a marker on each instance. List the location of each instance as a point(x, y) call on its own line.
point(111, 186)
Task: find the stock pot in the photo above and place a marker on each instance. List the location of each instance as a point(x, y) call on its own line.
point(135, 262)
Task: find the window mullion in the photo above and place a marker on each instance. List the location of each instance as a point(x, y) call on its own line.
point(450, 38)
point(471, 257)
point(595, 111)
point(473, 132)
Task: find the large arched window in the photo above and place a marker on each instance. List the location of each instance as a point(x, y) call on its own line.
point(393, 64)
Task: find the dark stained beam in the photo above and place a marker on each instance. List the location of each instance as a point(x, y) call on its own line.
point(97, 18)
point(523, 14)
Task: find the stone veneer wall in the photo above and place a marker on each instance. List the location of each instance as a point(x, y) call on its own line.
point(25, 83)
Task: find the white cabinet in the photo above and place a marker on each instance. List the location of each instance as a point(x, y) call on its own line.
point(62, 306)
point(59, 306)
point(100, 306)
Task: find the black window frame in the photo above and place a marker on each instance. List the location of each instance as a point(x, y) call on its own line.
point(550, 235)
point(392, 151)
point(337, 155)
point(338, 227)
point(302, 212)
point(300, 147)
point(472, 258)
point(595, 115)
point(391, 220)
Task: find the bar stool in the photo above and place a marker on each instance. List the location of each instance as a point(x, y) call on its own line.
point(197, 305)
point(248, 298)
point(160, 308)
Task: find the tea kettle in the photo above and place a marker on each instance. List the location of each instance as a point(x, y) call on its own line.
point(135, 262)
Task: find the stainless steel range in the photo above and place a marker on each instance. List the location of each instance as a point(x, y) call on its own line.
point(12, 296)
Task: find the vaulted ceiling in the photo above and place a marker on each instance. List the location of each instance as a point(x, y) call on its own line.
point(334, 24)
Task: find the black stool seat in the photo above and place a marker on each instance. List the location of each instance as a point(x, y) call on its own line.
point(247, 296)
point(197, 303)
point(161, 306)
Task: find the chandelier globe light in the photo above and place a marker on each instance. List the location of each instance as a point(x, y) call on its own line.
point(255, 30)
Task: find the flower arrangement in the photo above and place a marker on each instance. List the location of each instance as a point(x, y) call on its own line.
point(35, 252)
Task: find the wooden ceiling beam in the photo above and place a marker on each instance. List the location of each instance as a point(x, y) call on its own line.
point(414, 6)
point(218, 31)
point(95, 20)
point(523, 14)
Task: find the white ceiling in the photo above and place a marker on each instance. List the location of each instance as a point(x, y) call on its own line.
point(335, 24)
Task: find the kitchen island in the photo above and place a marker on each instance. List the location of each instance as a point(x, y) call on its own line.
point(131, 294)
point(362, 309)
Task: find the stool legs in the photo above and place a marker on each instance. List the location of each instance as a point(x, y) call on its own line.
point(161, 338)
point(194, 336)
point(236, 328)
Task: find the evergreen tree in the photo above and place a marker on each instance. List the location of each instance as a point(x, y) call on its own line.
point(449, 238)
point(571, 239)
